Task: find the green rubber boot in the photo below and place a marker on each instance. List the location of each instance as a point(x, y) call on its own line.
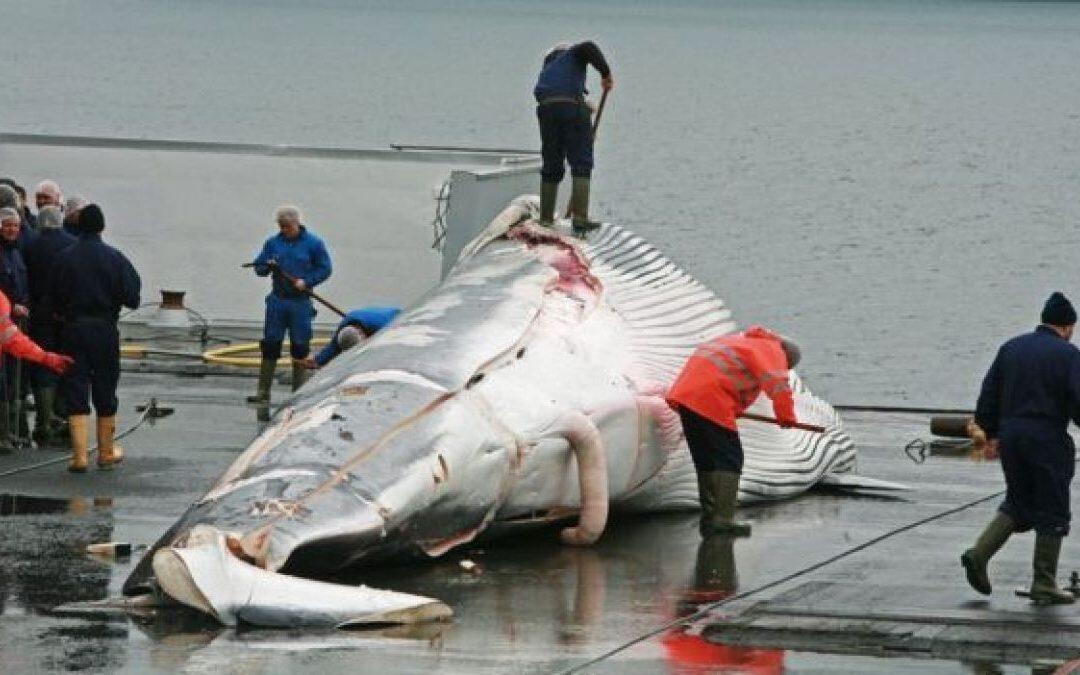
point(299, 374)
point(549, 192)
point(47, 426)
point(266, 378)
point(991, 540)
point(719, 493)
point(579, 207)
point(7, 441)
point(1044, 588)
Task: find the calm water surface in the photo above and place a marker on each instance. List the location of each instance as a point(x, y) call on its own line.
point(892, 182)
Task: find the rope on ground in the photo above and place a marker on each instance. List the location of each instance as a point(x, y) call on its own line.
point(778, 582)
point(150, 411)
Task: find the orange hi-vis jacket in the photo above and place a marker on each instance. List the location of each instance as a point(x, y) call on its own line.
point(725, 375)
point(13, 341)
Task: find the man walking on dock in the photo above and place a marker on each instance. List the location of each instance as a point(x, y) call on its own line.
point(1028, 396)
point(566, 133)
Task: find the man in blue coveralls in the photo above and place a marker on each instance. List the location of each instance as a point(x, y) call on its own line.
point(566, 133)
point(297, 261)
point(91, 281)
point(357, 326)
point(1028, 396)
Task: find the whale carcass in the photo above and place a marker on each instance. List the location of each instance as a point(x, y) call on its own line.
point(526, 389)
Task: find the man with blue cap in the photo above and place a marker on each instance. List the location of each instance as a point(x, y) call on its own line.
point(1028, 397)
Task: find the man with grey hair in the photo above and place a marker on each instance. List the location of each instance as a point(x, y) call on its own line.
point(298, 261)
point(16, 287)
point(357, 326)
point(48, 193)
point(40, 255)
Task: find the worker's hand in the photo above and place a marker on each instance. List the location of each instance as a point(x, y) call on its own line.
point(786, 422)
point(58, 363)
point(607, 83)
point(299, 285)
point(990, 450)
point(309, 363)
point(19, 312)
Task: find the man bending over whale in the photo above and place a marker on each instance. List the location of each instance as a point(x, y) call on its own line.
point(722, 378)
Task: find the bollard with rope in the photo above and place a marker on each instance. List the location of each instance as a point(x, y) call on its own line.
point(150, 411)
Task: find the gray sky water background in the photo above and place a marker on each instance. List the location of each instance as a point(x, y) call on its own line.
point(893, 182)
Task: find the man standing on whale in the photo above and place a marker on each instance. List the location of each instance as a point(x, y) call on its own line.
point(721, 379)
point(1028, 396)
point(566, 134)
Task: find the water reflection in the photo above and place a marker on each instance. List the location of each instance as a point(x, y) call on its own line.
point(42, 565)
point(688, 652)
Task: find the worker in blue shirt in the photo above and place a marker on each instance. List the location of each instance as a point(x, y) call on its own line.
point(297, 261)
point(566, 134)
point(357, 326)
point(1028, 397)
point(91, 281)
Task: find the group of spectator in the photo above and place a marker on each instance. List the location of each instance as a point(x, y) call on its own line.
point(65, 287)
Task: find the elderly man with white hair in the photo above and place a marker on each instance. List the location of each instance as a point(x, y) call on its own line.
point(298, 261)
point(47, 193)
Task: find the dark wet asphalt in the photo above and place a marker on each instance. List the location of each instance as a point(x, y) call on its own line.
point(529, 605)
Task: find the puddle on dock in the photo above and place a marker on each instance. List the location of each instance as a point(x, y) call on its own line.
point(27, 505)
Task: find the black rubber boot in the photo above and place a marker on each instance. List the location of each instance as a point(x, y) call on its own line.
point(991, 540)
point(1044, 588)
point(579, 207)
point(719, 492)
point(549, 192)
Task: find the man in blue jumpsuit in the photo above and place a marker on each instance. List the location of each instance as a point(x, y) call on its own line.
point(1028, 396)
point(298, 261)
point(357, 326)
point(566, 127)
point(40, 256)
point(91, 282)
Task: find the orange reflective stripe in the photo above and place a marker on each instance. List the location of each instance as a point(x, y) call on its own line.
point(743, 387)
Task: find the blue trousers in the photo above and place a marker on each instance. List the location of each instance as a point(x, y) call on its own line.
point(1038, 459)
point(293, 315)
point(565, 136)
point(94, 343)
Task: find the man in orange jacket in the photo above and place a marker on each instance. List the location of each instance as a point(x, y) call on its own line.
point(17, 344)
point(721, 379)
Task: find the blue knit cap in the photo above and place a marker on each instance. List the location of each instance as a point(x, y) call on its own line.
point(1058, 311)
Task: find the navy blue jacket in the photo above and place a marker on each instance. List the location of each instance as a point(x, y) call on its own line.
point(1035, 376)
point(13, 279)
point(370, 319)
point(91, 278)
point(40, 256)
point(304, 257)
point(563, 73)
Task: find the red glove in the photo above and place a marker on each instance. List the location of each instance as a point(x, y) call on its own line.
point(58, 363)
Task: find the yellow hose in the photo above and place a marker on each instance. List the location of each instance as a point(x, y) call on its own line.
point(222, 356)
point(226, 356)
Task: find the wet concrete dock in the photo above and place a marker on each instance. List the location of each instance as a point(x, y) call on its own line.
point(531, 605)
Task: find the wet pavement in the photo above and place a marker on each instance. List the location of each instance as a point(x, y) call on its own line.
point(529, 605)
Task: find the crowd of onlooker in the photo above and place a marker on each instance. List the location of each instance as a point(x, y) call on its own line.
point(64, 288)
